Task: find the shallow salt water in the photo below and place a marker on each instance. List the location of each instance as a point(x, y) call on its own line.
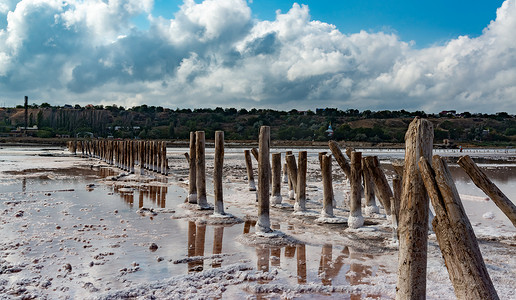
point(97, 230)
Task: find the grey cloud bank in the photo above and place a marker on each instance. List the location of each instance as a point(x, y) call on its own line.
point(215, 54)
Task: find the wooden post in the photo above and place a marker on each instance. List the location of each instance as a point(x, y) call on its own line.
point(339, 157)
point(276, 178)
point(413, 223)
point(249, 167)
point(355, 219)
point(254, 151)
point(285, 173)
point(300, 205)
point(327, 211)
point(397, 186)
point(263, 225)
point(292, 174)
point(349, 150)
point(202, 202)
point(485, 184)
point(381, 185)
point(218, 166)
point(192, 177)
point(455, 235)
point(370, 203)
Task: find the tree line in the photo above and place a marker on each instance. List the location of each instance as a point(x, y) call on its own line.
point(156, 122)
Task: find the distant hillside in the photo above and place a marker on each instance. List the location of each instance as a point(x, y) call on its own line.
point(351, 125)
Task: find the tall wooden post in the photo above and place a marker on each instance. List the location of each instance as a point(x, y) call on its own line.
point(455, 235)
point(290, 161)
point(327, 211)
point(192, 177)
point(202, 201)
point(381, 186)
point(218, 166)
point(413, 223)
point(339, 157)
point(276, 178)
point(300, 204)
point(263, 225)
point(370, 203)
point(249, 167)
point(355, 219)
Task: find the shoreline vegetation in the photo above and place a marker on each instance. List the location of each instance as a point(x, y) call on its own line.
point(367, 129)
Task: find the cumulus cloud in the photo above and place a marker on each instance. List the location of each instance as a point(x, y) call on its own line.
point(214, 53)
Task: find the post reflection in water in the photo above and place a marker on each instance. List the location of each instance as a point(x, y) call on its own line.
point(200, 239)
point(328, 269)
point(358, 271)
point(247, 225)
point(218, 233)
point(262, 252)
point(140, 198)
point(301, 263)
point(191, 244)
point(156, 194)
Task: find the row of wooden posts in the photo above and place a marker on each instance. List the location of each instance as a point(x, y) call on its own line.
point(126, 155)
point(407, 203)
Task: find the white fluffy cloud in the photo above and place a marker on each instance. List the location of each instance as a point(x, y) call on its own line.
point(215, 54)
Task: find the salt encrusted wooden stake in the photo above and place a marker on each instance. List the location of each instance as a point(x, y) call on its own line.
point(327, 211)
point(485, 184)
point(370, 203)
point(300, 205)
point(276, 178)
point(263, 225)
point(218, 166)
point(413, 223)
point(285, 173)
point(292, 173)
point(355, 219)
point(292, 177)
point(339, 157)
point(202, 201)
point(381, 186)
point(192, 178)
point(455, 235)
point(249, 166)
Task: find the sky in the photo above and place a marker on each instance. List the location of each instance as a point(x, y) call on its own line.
point(360, 54)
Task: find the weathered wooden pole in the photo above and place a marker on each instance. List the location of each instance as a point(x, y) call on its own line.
point(339, 157)
point(249, 167)
point(381, 185)
point(285, 173)
point(397, 186)
point(355, 219)
point(485, 184)
point(290, 161)
point(327, 211)
point(370, 203)
point(413, 222)
point(300, 205)
point(254, 151)
point(349, 150)
point(192, 177)
point(263, 225)
point(276, 178)
point(455, 235)
point(202, 201)
point(164, 168)
point(218, 166)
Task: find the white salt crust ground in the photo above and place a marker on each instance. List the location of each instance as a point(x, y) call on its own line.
point(30, 269)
